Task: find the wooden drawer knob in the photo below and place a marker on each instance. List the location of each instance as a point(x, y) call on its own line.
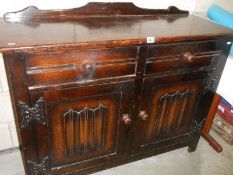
point(187, 56)
point(126, 119)
point(143, 115)
point(89, 66)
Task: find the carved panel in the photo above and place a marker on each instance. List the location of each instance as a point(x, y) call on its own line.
point(171, 111)
point(35, 113)
point(39, 168)
point(84, 130)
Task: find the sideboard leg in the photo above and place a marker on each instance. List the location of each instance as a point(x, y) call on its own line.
point(193, 146)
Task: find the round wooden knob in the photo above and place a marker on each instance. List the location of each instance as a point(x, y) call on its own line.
point(188, 57)
point(126, 119)
point(143, 115)
point(89, 66)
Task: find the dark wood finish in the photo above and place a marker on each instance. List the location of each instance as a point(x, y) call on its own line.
point(80, 65)
point(182, 56)
point(88, 122)
point(90, 9)
point(90, 93)
point(170, 107)
point(111, 30)
point(209, 120)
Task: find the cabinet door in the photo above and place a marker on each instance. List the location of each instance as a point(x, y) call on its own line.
point(168, 105)
point(85, 124)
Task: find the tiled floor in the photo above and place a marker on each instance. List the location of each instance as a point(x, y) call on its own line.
point(205, 161)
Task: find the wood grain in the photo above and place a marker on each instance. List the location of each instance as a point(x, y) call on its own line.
point(109, 97)
point(132, 26)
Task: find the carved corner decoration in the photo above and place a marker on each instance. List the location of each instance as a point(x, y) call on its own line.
point(35, 113)
point(197, 127)
point(210, 83)
point(39, 168)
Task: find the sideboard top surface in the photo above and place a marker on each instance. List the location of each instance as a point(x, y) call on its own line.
point(123, 29)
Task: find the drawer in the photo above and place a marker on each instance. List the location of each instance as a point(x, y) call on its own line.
point(173, 57)
point(80, 65)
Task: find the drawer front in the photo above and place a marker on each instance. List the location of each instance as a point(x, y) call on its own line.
point(165, 58)
point(57, 67)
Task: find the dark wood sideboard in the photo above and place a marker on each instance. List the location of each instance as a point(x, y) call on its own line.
point(108, 83)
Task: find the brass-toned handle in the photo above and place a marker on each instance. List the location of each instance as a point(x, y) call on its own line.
point(143, 115)
point(126, 119)
point(188, 57)
point(89, 66)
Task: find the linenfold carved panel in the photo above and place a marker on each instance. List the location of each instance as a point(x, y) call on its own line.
point(171, 111)
point(83, 130)
point(35, 113)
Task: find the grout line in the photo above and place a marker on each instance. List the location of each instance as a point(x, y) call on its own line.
point(6, 122)
point(1, 88)
point(9, 151)
point(4, 92)
point(11, 136)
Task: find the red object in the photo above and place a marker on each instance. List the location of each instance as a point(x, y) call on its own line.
point(225, 111)
point(209, 120)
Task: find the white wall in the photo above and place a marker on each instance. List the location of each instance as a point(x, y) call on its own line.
point(202, 5)
point(8, 137)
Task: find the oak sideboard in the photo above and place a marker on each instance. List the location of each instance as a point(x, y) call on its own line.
point(108, 83)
